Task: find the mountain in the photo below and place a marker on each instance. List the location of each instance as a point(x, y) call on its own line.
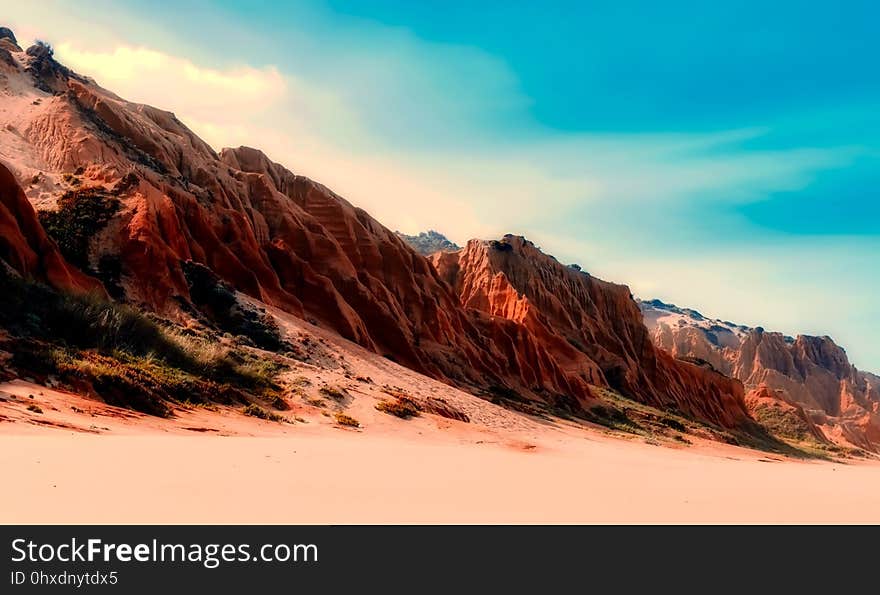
point(426, 243)
point(811, 375)
point(592, 327)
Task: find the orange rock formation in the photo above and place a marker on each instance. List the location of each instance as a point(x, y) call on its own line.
point(593, 328)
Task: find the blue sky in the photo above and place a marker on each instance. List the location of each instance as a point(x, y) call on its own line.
point(721, 157)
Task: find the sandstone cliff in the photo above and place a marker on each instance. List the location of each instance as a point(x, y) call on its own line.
point(593, 327)
point(810, 373)
point(137, 200)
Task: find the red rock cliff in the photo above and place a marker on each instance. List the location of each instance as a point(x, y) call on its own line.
point(593, 327)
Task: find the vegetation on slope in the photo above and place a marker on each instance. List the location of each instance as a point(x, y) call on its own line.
point(80, 215)
point(216, 299)
point(782, 423)
point(622, 414)
point(122, 355)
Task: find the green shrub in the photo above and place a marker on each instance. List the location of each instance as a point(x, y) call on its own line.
point(783, 423)
point(128, 358)
point(216, 299)
point(674, 424)
point(80, 215)
point(91, 322)
point(85, 321)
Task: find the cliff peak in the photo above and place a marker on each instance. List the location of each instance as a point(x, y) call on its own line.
point(590, 326)
point(428, 242)
point(6, 33)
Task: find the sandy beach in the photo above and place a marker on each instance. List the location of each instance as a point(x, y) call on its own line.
point(328, 475)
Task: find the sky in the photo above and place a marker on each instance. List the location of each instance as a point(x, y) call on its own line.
point(720, 156)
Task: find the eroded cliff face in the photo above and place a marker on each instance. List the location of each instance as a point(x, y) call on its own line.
point(812, 373)
point(273, 235)
point(593, 328)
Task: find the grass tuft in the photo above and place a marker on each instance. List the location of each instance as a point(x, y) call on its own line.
point(333, 392)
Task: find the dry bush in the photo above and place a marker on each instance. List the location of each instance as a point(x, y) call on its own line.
point(346, 420)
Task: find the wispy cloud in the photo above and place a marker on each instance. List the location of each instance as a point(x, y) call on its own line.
point(533, 180)
point(126, 65)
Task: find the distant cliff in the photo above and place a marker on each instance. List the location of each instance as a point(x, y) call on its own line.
point(813, 374)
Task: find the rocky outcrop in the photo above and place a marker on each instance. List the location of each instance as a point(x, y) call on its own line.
point(593, 328)
point(812, 373)
point(427, 243)
point(27, 250)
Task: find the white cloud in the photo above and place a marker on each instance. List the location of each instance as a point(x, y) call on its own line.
point(192, 89)
point(377, 120)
